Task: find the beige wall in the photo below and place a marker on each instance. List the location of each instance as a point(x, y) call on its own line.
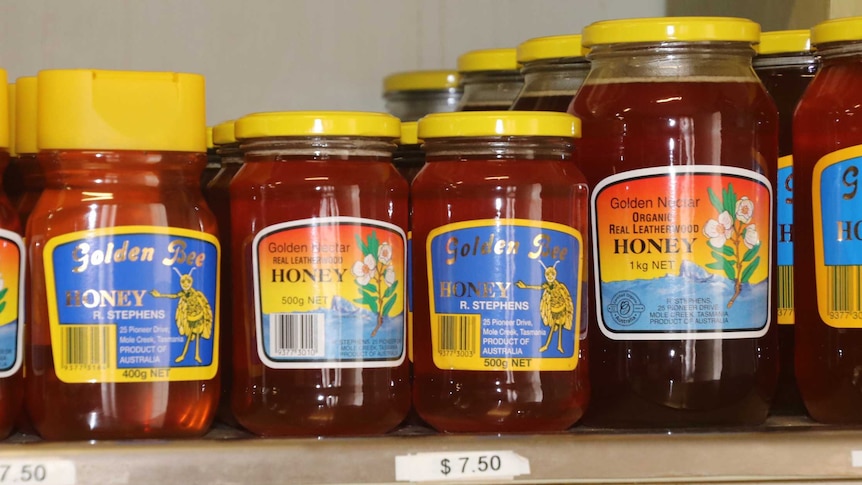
point(282, 54)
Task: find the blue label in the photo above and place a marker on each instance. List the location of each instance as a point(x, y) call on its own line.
point(784, 216)
point(128, 299)
point(505, 294)
point(11, 302)
point(841, 213)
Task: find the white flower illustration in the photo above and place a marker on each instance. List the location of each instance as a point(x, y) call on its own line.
point(364, 270)
point(750, 237)
point(744, 210)
point(719, 231)
point(2, 283)
point(389, 276)
point(384, 253)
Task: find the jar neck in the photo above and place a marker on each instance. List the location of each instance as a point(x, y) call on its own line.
point(317, 148)
point(133, 169)
point(491, 89)
point(230, 154)
point(501, 148)
point(787, 59)
point(555, 76)
point(840, 52)
point(672, 61)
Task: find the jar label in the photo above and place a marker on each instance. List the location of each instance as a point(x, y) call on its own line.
point(784, 254)
point(330, 292)
point(837, 211)
point(133, 304)
point(505, 294)
point(11, 302)
point(683, 252)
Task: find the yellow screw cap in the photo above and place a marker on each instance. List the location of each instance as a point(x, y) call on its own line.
point(784, 41)
point(25, 115)
point(4, 113)
point(82, 109)
point(409, 133)
point(837, 30)
point(318, 123)
point(499, 123)
point(488, 60)
point(12, 113)
point(421, 81)
point(671, 29)
point(223, 133)
point(553, 47)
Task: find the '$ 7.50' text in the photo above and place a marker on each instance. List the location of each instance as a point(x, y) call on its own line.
point(465, 465)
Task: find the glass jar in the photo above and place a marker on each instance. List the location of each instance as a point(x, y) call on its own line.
point(12, 319)
point(499, 228)
point(827, 157)
point(319, 219)
point(679, 147)
point(554, 69)
point(217, 195)
point(491, 79)
point(32, 177)
point(411, 95)
point(786, 65)
point(124, 260)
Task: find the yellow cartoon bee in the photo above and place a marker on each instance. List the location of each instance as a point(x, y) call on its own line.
point(556, 306)
point(194, 317)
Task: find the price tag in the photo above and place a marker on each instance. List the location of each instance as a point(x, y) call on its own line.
point(37, 472)
point(455, 465)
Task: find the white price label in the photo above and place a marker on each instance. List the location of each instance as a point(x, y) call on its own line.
point(856, 458)
point(38, 472)
point(455, 465)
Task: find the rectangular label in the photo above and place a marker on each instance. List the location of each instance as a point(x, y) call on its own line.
point(133, 303)
point(784, 229)
point(505, 294)
point(12, 319)
point(330, 292)
point(451, 466)
point(682, 252)
point(837, 210)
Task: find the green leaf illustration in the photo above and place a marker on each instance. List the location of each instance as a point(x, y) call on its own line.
point(718, 256)
point(2, 306)
point(373, 244)
point(747, 272)
point(727, 250)
point(361, 245)
point(373, 305)
point(371, 288)
point(714, 199)
point(389, 291)
point(717, 265)
point(751, 253)
point(729, 270)
point(361, 301)
point(369, 300)
point(3, 293)
point(388, 306)
point(730, 201)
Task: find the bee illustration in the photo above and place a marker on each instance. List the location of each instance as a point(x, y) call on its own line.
point(556, 307)
point(194, 317)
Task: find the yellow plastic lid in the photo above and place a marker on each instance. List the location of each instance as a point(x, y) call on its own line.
point(671, 29)
point(421, 81)
point(121, 110)
point(499, 123)
point(11, 93)
point(4, 113)
point(210, 143)
point(553, 47)
point(409, 133)
point(317, 123)
point(488, 60)
point(223, 133)
point(784, 41)
point(837, 30)
point(25, 115)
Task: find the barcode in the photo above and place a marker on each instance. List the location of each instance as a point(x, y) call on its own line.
point(785, 287)
point(85, 345)
point(458, 332)
point(297, 334)
point(843, 285)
